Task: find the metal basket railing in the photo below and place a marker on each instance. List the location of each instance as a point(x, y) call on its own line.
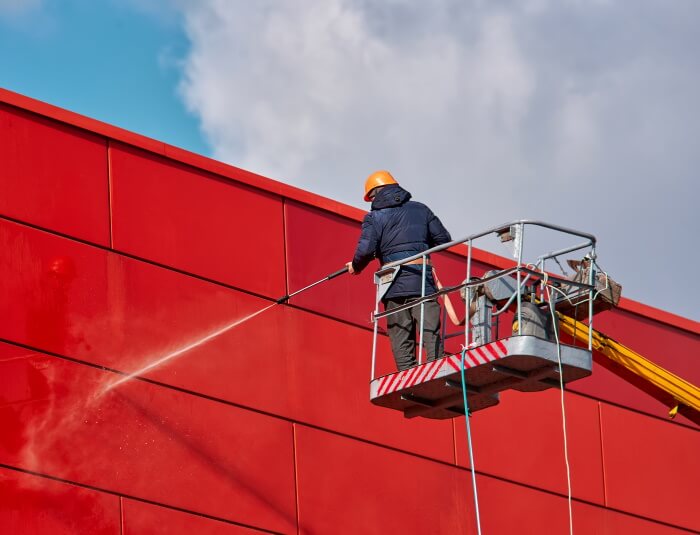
point(525, 274)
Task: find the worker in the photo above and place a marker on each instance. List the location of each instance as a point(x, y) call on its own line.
point(394, 229)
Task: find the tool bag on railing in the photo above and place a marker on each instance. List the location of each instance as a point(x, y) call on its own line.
point(607, 292)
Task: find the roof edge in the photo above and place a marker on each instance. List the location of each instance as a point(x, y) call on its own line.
point(243, 176)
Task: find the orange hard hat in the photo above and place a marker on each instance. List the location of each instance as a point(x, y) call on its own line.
point(376, 179)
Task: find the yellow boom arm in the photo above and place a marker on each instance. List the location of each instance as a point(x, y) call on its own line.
point(683, 392)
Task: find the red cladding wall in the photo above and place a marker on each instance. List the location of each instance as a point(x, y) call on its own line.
point(347, 486)
point(53, 176)
point(319, 243)
point(121, 255)
point(155, 443)
point(32, 504)
point(140, 518)
point(521, 439)
point(673, 348)
point(196, 222)
point(669, 458)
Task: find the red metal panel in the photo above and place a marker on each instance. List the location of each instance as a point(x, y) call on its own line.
point(674, 349)
point(140, 518)
point(314, 370)
point(49, 287)
point(651, 467)
point(598, 521)
point(147, 441)
point(521, 439)
point(87, 303)
point(319, 243)
point(53, 176)
point(175, 153)
point(197, 222)
point(124, 314)
point(507, 508)
point(347, 486)
point(35, 505)
point(329, 387)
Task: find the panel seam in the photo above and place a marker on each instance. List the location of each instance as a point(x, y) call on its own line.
point(135, 498)
point(284, 246)
point(277, 416)
point(174, 269)
point(296, 474)
point(121, 515)
point(109, 194)
point(263, 530)
point(602, 453)
point(454, 441)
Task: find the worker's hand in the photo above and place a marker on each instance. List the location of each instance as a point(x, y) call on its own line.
point(351, 270)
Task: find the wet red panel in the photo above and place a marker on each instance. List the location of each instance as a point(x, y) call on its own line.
point(315, 370)
point(651, 467)
point(510, 508)
point(53, 176)
point(87, 303)
point(129, 315)
point(348, 486)
point(197, 222)
point(329, 387)
point(32, 504)
point(521, 439)
point(46, 281)
point(669, 347)
point(140, 518)
point(148, 441)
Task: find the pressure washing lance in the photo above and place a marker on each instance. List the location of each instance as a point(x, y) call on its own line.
point(324, 279)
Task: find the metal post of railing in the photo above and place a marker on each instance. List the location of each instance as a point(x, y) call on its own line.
point(544, 270)
point(519, 244)
point(468, 294)
point(591, 281)
point(422, 312)
point(374, 336)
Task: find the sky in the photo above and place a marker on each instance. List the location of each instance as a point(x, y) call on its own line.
point(583, 113)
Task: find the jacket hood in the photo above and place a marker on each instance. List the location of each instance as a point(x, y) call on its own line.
point(390, 196)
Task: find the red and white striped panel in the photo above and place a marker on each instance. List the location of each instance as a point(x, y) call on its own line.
point(437, 368)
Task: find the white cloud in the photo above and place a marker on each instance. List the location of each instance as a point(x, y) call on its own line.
point(580, 113)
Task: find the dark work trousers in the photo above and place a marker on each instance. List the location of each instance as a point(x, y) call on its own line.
point(404, 331)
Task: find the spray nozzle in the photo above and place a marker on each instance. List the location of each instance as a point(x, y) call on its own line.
point(282, 299)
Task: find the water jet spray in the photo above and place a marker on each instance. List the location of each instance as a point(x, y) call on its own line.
point(219, 332)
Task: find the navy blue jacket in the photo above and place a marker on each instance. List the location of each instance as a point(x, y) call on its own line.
point(397, 228)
